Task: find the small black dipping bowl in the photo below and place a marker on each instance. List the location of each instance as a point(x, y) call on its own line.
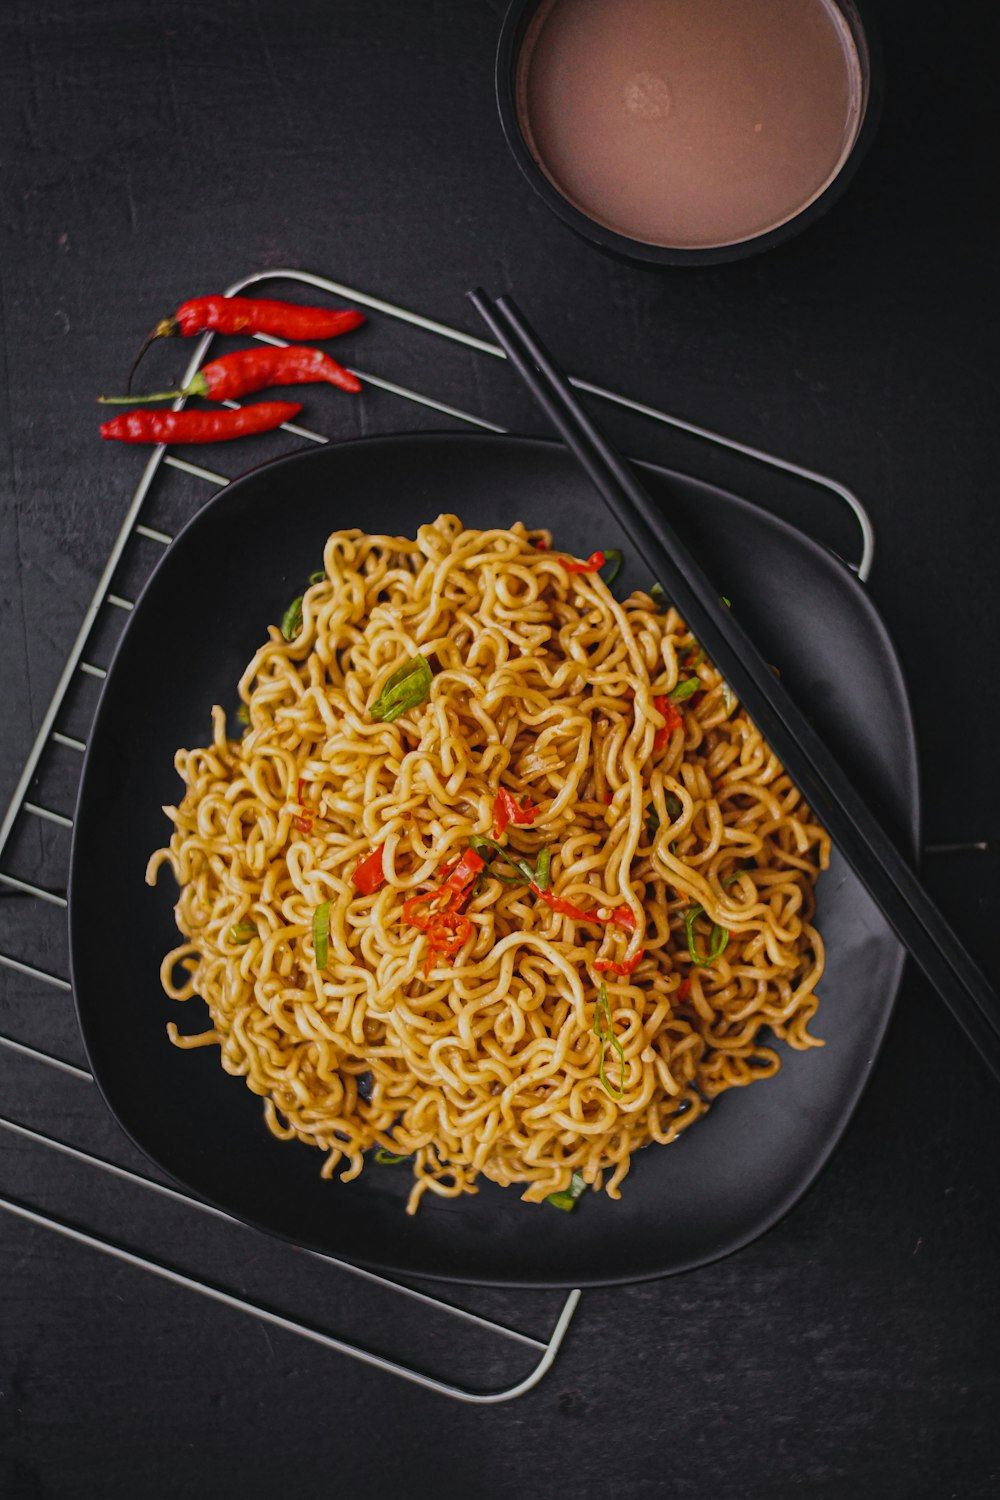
point(513, 31)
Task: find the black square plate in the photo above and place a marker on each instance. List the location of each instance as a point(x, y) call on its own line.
point(202, 615)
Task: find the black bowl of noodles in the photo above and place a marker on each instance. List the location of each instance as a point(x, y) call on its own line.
point(230, 574)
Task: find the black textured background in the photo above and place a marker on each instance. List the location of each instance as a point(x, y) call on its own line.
point(151, 152)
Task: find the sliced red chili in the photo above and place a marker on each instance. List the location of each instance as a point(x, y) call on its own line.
point(672, 714)
point(684, 989)
point(368, 874)
point(464, 872)
point(623, 916)
point(303, 820)
point(447, 931)
point(417, 918)
point(566, 908)
point(593, 564)
point(445, 925)
point(506, 809)
point(625, 967)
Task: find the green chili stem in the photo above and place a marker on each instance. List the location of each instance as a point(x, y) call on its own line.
point(197, 387)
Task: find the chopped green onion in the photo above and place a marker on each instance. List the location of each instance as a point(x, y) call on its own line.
point(728, 697)
point(387, 1158)
point(604, 1029)
point(321, 934)
point(483, 844)
point(717, 941)
point(408, 687)
point(243, 714)
point(657, 594)
point(727, 602)
point(674, 806)
point(291, 622)
point(319, 577)
point(685, 690)
point(612, 560)
point(566, 1199)
point(652, 820)
point(542, 870)
point(242, 932)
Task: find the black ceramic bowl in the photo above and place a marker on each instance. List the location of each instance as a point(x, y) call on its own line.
point(513, 32)
point(197, 623)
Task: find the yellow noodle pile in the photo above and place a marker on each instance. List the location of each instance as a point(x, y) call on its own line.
point(544, 684)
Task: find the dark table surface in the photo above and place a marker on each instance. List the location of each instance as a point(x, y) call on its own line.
point(148, 153)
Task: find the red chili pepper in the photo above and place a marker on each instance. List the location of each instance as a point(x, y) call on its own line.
point(464, 872)
point(625, 967)
point(446, 927)
point(541, 545)
point(303, 821)
point(199, 426)
point(506, 810)
point(248, 370)
point(684, 989)
point(608, 797)
point(623, 916)
point(672, 714)
point(368, 873)
point(284, 320)
point(417, 919)
point(565, 908)
point(448, 931)
point(594, 563)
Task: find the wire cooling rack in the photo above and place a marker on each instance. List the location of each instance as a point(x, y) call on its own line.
point(53, 731)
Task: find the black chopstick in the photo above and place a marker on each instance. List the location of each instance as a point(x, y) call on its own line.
point(833, 798)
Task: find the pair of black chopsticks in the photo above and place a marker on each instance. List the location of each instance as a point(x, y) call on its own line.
point(834, 800)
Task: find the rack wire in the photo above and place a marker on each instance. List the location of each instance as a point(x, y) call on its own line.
point(78, 665)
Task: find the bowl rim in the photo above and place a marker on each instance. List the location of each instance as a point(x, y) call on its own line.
point(513, 28)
